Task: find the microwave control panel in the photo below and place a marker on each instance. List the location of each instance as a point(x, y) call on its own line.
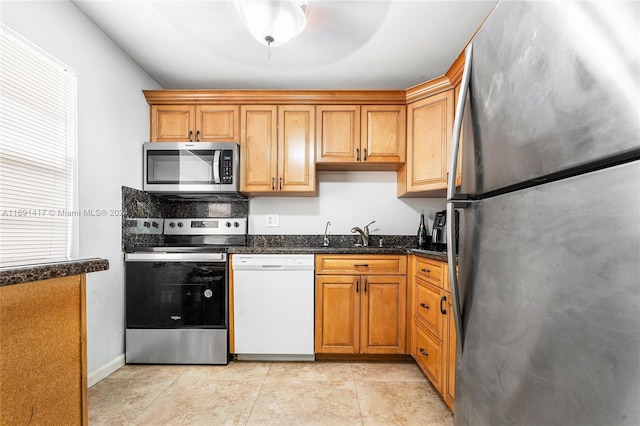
point(226, 172)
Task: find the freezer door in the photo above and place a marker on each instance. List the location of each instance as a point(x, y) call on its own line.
point(550, 287)
point(554, 85)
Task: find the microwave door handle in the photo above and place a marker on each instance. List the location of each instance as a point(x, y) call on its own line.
point(216, 166)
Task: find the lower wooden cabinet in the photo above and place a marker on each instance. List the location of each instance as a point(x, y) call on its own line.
point(43, 352)
point(360, 313)
point(431, 325)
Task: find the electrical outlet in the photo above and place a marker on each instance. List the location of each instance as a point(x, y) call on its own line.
point(273, 220)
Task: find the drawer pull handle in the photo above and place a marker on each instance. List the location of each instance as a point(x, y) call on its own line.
point(424, 305)
point(423, 352)
point(443, 310)
point(426, 271)
point(365, 285)
point(364, 265)
point(273, 184)
point(357, 286)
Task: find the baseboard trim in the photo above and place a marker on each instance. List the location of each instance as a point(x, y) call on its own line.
point(100, 373)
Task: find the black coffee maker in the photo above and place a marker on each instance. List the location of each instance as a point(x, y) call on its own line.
point(439, 233)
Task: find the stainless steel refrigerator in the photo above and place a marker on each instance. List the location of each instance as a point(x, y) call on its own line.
point(547, 296)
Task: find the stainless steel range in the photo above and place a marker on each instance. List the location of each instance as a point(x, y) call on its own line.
point(177, 295)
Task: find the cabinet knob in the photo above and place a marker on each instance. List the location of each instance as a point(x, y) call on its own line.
point(424, 305)
point(423, 352)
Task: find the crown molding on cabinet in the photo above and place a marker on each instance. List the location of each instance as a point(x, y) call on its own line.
point(271, 97)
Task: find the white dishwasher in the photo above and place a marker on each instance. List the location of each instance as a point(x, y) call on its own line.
point(273, 307)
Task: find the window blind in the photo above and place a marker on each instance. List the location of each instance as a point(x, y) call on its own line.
point(38, 114)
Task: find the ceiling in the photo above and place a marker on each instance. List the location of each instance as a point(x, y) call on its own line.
point(381, 44)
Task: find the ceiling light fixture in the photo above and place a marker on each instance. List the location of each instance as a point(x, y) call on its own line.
point(273, 22)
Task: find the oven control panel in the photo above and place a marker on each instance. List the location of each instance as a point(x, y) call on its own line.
point(206, 226)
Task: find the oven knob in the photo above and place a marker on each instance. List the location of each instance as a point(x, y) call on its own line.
point(228, 224)
point(172, 224)
point(208, 293)
point(180, 224)
point(236, 224)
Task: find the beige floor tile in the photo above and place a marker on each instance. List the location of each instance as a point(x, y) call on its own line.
point(401, 403)
point(201, 401)
point(306, 403)
point(119, 401)
point(138, 371)
point(236, 370)
point(309, 372)
point(387, 372)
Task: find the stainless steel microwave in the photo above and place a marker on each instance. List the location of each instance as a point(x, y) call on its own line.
point(191, 168)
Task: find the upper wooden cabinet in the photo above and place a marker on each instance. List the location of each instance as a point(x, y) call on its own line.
point(429, 127)
point(195, 123)
point(349, 135)
point(277, 149)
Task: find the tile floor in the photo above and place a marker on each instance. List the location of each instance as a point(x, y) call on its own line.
point(264, 393)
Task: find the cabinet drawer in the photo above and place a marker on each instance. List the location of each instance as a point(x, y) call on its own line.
point(358, 264)
point(427, 301)
point(428, 354)
point(430, 270)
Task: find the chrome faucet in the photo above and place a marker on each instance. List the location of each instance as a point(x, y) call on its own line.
point(364, 234)
point(325, 242)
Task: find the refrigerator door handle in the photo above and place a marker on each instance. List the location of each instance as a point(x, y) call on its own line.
point(453, 201)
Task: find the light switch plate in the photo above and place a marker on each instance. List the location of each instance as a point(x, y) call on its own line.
point(272, 220)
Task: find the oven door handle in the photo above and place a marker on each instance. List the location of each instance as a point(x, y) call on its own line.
point(175, 257)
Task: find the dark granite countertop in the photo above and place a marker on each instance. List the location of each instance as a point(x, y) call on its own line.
point(44, 271)
point(431, 254)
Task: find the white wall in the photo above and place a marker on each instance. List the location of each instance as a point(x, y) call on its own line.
point(346, 199)
point(113, 121)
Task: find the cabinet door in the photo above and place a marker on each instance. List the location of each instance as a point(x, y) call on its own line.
point(338, 134)
point(383, 133)
point(428, 302)
point(337, 314)
point(384, 300)
point(172, 123)
point(429, 356)
point(429, 124)
point(296, 149)
point(258, 148)
point(217, 123)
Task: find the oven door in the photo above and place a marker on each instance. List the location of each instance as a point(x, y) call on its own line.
point(176, 290)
